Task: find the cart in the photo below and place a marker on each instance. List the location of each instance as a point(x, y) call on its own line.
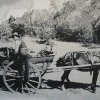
point(15, 82)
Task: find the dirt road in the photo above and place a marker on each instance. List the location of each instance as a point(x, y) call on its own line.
point(77, 90)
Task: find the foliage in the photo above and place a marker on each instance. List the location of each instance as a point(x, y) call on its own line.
point(4, 31)
point(77, 20)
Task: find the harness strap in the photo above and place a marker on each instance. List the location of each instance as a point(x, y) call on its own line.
point(90, 63)
point(72, 58)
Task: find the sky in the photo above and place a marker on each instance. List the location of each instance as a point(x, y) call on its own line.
point(18, 7)
point(40, 4)
point(7, 2)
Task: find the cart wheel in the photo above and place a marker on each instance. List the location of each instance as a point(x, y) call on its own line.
point(15, 81)
point(42, 67)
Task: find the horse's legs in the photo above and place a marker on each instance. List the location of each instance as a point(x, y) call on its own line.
point(94, 80)
point(65, 76)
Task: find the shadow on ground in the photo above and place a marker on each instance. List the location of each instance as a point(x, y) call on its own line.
point(51, 84)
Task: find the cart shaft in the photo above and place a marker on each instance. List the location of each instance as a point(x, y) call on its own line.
point(74, 67)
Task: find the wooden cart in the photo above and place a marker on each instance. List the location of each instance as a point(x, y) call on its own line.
point(16, 82)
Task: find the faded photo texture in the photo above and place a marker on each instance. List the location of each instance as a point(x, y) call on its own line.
point(49, 49)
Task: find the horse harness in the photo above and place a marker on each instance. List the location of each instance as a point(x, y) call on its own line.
point(74, 62)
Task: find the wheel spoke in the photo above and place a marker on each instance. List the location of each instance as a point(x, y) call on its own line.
point(31, 85)
point(16, 89)
point(10, 80)
point(27, 88)
point(33, 75)
point(22, 88)
point(10, 75)
point(12, 85)
point(14, 80)
point(33, 81)
point(11, 69)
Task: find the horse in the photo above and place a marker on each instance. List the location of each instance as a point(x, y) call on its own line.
point(81, 58)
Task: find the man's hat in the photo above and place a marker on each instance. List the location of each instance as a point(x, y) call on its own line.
point(19, 31)
point(15, 34)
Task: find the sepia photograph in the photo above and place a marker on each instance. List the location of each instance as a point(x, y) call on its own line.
point(49, 49)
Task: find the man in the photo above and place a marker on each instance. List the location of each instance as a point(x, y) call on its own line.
point(21, 52)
